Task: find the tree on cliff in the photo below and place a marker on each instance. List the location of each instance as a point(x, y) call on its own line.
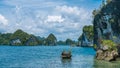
point(88, 30)
point(86, 35)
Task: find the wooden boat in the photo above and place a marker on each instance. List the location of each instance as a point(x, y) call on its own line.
point(66, 55)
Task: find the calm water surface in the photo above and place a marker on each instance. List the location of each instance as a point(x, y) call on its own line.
point(46, 57)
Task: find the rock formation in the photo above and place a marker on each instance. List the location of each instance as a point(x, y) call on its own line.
point(107, 27)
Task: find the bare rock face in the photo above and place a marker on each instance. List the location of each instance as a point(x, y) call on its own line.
point(104, 27)
point(105, 30)
point(106, 55)
point(105, 48)
point(100, 55)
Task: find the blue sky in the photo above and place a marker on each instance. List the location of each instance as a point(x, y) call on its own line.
point(64, 18)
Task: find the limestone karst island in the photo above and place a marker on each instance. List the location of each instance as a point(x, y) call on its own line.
point(59, 33)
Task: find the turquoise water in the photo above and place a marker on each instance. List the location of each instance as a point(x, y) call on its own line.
point(45, 57)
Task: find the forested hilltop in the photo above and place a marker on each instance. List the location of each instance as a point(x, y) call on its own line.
point(86, 38)
point(20, 37)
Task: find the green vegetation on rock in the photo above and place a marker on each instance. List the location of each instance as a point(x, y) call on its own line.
point(88, 30)
point(21, 36)
point(69, 42)
point(106, 30)
point(86, 35)
point(106, 22)
point(5, 38)
point(110, 44)
point(51, 40)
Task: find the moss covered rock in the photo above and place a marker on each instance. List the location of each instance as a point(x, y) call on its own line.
point(108, 51)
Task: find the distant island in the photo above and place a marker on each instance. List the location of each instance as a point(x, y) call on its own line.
point(19, 37)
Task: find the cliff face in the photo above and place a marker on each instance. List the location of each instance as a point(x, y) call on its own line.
point(86, 38)
point(32, 40)
point(107, 30)
point(84, 41)
point(107, 23)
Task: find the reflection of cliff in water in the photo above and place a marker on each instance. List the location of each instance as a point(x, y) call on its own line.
point(66, 60)
point(106, 64)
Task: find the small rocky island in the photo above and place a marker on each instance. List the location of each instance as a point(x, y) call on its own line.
point(107, 30)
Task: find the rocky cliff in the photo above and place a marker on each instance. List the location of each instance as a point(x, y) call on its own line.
point(107, 23)
point(107, 29)
point(86, 39)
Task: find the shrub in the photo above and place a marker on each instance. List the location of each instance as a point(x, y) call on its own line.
point(94, 46)
point(111, 45)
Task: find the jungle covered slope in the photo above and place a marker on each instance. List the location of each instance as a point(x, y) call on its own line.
point(87, 36)
point(20, 37)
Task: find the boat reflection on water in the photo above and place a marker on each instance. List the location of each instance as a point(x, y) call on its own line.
point(66, 60)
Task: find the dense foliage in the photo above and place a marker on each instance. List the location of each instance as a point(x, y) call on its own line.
point(5, 38)
point(19, 37)
point(88, 30)
point(51, 40)
point(110, 44)
point(61, 43)
point(87, 34)
point(70, 42)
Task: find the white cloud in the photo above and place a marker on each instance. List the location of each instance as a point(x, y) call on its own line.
point(62, 20)
point(69, 10)
point(74, 11)
point(3, 20)
point(54, 18)
point(17, 8)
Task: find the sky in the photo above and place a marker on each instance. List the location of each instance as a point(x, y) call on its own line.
point(64, 18)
